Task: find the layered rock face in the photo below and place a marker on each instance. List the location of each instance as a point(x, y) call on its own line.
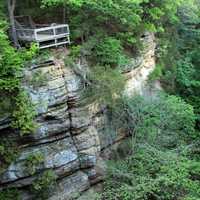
point(71, 135)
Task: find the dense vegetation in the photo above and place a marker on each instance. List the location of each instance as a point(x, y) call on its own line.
point(179, 59)
point(14, 101)
point(11, 67)
point(161, 161)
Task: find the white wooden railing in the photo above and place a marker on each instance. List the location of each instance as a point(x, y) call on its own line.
point(56, 31)
point(40, 35)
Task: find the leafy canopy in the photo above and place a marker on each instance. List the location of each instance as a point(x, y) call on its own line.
point(180, 55)
point(132, 16)
point(11, 67)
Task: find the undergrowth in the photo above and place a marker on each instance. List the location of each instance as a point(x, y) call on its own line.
point(163, 161)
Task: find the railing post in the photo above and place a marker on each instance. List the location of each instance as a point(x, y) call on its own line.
point(68, 33)
point(68, 29)
point(54, 34)
point(35, 34)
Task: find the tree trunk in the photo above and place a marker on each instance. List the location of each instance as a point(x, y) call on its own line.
point(64, 15)
point(11, 10)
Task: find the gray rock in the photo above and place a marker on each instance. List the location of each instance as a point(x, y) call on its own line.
point(71, 186)
point(73, 138)
point(55, 155)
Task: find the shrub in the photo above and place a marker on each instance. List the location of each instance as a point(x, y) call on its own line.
point(43, 184)
point(109, 52)
point(165, 119)
point(75, 52)
point(159, 165)
point(11, 66)
point(24, 114)
point(157, 73)
point(152, 174)
point(38, 79)
point(5, 105)
point(33, 162)
point(106, 85)
point(8, 153)
point(74, 55)
point(10, 194)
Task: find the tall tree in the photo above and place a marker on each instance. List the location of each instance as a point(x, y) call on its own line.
point(11, 11)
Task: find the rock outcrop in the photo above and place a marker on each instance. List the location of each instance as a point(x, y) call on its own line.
point(70, 135)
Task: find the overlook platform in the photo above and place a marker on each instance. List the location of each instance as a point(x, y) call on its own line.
point(44, 35)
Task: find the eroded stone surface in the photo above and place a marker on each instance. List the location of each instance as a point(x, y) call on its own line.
point(70, 136)
point(55, 155)
point(71, 186)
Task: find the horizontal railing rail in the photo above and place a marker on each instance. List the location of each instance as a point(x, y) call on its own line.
point(52, 28)
point(24, 29)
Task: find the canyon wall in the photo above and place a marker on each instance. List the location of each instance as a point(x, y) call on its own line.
point(71, 135)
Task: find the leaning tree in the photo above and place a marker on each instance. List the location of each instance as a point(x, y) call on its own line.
point(11, 12)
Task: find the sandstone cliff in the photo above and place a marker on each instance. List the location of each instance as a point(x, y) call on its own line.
point(71, 136)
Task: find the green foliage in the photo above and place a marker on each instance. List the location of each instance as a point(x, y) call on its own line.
point(5, 105)
point(159, 164)
point(2, 9)
point(180, 55)
point(109, 52)
point(105, 85)
point(33, 162)
point(10, 194)
point(74, 55)
point(43, 184)
point(11, 66)
point(10, 63)
point(107, 29)
point(188, 81)
point(24, 114)
point(129, 13)
point(8, 153)
point(186, 74)
point(157, 73)
point(38, 79)
point(153, 174)
point(164, 119)
point(41, 57)
point(125, 20)
point(28, 55)
point(75, 52)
